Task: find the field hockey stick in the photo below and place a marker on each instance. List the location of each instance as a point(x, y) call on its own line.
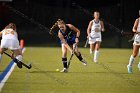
point(86, 43)
point(25, 65)
point(71, 56)
point(130, 34)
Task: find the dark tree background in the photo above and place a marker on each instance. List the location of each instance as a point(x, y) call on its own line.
point(34, 18)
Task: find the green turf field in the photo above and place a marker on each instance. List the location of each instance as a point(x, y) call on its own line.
point(107, 76)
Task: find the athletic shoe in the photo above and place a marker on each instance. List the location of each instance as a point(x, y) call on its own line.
point(90, 52)
point(95, 60)
point(129, 68)
point(84, 62)
point(19, 64)
point(64, 70)
point(139, 66)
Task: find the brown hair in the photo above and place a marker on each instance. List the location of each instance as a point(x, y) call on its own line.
point(11, 25)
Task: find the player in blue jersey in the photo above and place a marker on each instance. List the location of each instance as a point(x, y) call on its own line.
point(69, 37)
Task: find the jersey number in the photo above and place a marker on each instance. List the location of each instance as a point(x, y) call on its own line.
point(9, 32)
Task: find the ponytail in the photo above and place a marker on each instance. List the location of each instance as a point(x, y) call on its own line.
point(53, 27)
point(59, 21)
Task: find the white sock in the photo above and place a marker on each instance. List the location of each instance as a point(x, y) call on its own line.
point(19, 57)
point(90, 51)
point(139, 52)
point(131, 60)
point(0, 57)
point(96, 54)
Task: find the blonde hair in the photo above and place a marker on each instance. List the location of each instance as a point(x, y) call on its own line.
point(58, 22)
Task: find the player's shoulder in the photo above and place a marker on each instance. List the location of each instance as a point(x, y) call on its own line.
point(101, 21)
point(70, 25)
point(91, 21)
point(137, 19)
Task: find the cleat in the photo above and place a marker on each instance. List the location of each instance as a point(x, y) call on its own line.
point(139, 66)
point(94, 60)
point(19, 64)
point(84, 62)
point(64, 70)
point(129, 68)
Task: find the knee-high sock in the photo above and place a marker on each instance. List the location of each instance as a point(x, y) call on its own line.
point(19, 57)
point(64, 60)
point(96, 54)
point(131, 60)
point(79, 56)
point(0, 57)
point(90, 51)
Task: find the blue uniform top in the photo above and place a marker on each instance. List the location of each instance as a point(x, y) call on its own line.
point(69, 36)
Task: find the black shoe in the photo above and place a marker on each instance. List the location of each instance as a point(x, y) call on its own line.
point(84, 62)
point(19, 64)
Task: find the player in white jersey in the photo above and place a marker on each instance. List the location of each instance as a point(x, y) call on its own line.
point(10, 41)
point(136, 44)
point(94, 34)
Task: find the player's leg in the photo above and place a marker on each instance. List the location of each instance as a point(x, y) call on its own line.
point(78, 55)
point(18, 57)
point(14, 46)
point(132, 58)
point(139, 52)
point(91, 48)
point(92, 45)
point(1, 52)
point(3, 47)
point(64, 58)
point(96, 52)
point(139, 66)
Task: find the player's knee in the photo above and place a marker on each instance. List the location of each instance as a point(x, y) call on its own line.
point(18, 52)
point(134, 55)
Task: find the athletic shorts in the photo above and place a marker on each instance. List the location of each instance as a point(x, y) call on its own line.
point(95, 38)
point(10, 44)
point(137, 39)
point(70, 41)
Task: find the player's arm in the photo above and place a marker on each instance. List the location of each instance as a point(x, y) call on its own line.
point(135, 25)
point(64, 41)
point(89, 28)
point(76, 30)
point(102, 26)
point(1, 34)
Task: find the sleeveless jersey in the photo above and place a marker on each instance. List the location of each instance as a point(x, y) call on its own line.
point(68, 34)
point(96, 27)
point(9, 34)
point(138, 28)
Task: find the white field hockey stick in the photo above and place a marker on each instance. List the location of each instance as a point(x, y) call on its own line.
point(25, 65)
point(88, 41)
point(132, 33)
point(71, 56)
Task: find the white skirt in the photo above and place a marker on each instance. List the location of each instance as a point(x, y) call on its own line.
point(95, 38)
point(10, 44)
